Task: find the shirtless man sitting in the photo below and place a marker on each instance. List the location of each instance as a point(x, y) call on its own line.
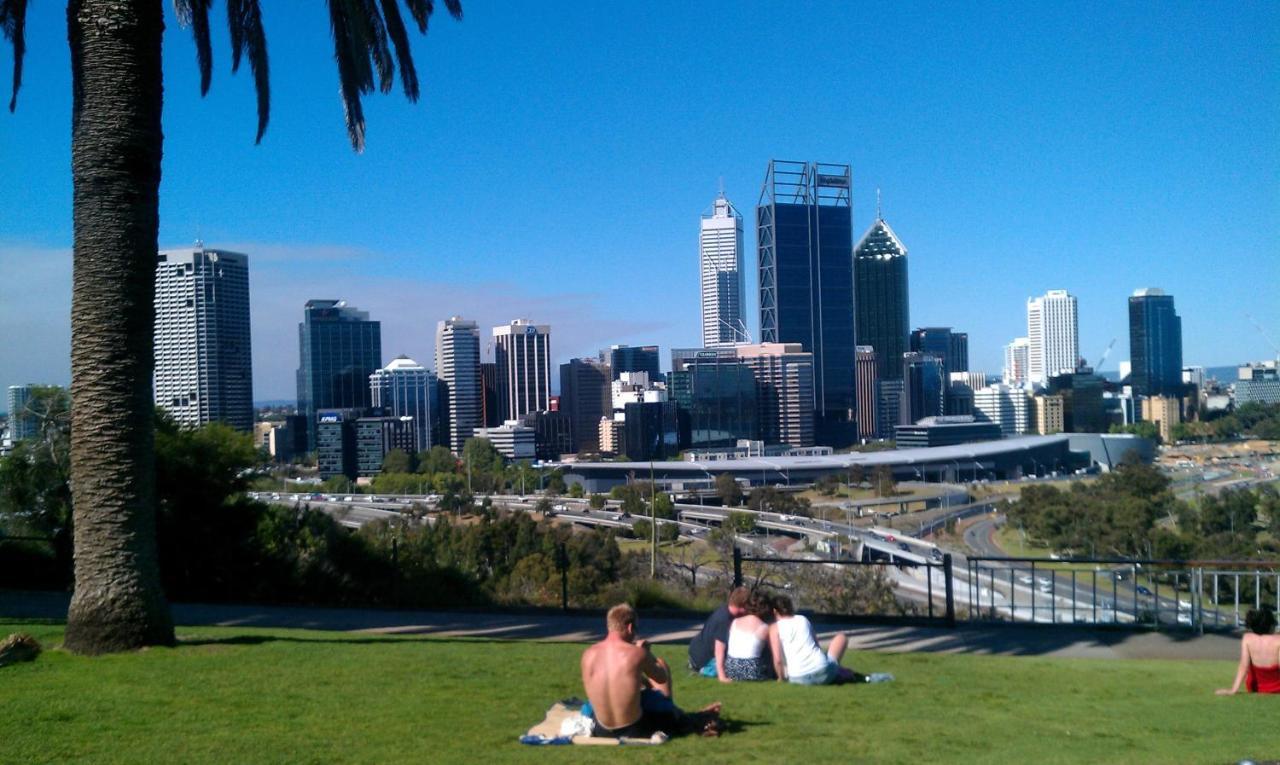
point(630, 689)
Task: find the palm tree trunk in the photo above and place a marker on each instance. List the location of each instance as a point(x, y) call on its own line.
point(116, 138)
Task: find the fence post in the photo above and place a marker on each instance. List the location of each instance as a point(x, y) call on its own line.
point(951, 602)
point(737, 567)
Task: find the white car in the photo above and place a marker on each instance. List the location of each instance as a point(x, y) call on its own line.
point(1025, 579)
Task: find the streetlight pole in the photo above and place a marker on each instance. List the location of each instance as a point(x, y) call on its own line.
point(653, 523)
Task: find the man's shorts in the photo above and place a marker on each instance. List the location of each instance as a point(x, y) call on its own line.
point(657, 713)
point(825, 676)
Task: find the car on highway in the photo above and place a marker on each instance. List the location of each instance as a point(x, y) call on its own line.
point(1046, 587)
point(1025, 580)
point(1184, 618)
point(935, 553)
point(1043, 580)
point(889, 538)
point(348, 499)
point(1142, 590)
point(904, 546)
point(559, 508)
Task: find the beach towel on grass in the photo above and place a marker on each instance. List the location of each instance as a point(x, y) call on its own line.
point(564, 724)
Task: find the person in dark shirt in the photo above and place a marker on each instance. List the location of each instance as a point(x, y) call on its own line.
point(707, 649)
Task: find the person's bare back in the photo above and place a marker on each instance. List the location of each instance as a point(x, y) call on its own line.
point(613, 679)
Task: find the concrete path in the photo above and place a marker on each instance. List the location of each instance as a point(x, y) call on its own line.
point(1043, 640)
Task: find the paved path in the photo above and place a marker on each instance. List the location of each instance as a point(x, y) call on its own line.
point(1047, 640)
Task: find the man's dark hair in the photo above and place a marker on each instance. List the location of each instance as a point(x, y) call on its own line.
point(1261, 621)
point(782, 605)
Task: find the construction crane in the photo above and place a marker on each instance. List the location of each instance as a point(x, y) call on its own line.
point(1105, 354)
point(1264, 334)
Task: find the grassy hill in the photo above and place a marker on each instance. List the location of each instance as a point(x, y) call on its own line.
point(250, 695)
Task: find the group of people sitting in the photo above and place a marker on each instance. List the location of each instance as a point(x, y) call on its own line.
point(755, 636)
point(759, 636)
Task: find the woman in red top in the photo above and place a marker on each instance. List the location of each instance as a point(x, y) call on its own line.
point(1259, 669)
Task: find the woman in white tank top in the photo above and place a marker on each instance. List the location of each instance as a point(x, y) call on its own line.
point(797, 657)
point(746, 657)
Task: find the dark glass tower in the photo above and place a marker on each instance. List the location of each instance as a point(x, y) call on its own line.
point(805, 246)
point(880, 279)
point(631, 358)
point(338, 348)
point(1155, 344)
point(923, 387)
point(951, 347)
point(584, 396)
point(718, 399)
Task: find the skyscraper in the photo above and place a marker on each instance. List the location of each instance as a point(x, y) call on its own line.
point(458, 367)
point(1155, 344)
point(633, 358)
point(338, 348)
point(718, 399)
point(952, 348)
point(21, 424)
point(784, 381)
point(720, 266)
point(1016, 361)
point(585, 397)
point(923, 387)
point(522, 357)
point(405, 388)
point(204, 368)
point(880, 277)
point(868, 381)
point(1052, 336)
point(803, 225)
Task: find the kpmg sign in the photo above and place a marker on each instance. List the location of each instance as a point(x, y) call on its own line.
point(330, 417)
point(838, 181)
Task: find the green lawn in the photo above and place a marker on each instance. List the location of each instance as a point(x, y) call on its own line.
point(239, 695)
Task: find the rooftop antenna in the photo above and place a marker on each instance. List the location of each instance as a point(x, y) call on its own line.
point(878, 215)
point(722, 187)
point(199, 241)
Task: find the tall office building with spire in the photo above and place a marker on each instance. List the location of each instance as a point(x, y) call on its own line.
point(203, 364)
point(805, 247)
point(880, 279)
point(720, 269)
point(1052, 335)
point(458, 369)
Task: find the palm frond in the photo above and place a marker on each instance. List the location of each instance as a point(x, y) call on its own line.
point(244, 17)
point(361, 30)
point(374, 34)
point(349, 79)
point(13, 25)
point(404, 56)
point(195, 14)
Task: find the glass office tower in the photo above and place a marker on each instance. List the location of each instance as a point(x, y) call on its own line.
point(338, 348)
point(805, 247)
point(880, 277)
point(718, 402)
point(1155, 344)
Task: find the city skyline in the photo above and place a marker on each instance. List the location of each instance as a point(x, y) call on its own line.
point(994, 213)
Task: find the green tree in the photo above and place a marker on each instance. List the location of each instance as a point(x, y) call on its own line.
point(576, 491)
point(397, 461)
point(116, 147)
point(740, 522)
point(35, 496)
point(555, 484)
point(597, 501)
point(483, 464)
point(729, 489)
point(663, 507)
point(667, 532)
point(438, 459)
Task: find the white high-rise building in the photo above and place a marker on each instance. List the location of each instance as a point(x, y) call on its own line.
point(204, 369)
point(1015, 361)
point(720, 267)
point(405, 388)
point(522, 357)
point(458, 367)
point(1006, 406)
point(1052, 335)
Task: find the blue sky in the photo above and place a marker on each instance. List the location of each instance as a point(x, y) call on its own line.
point(558, 162)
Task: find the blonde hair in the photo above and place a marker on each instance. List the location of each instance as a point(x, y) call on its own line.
point(620, 617)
